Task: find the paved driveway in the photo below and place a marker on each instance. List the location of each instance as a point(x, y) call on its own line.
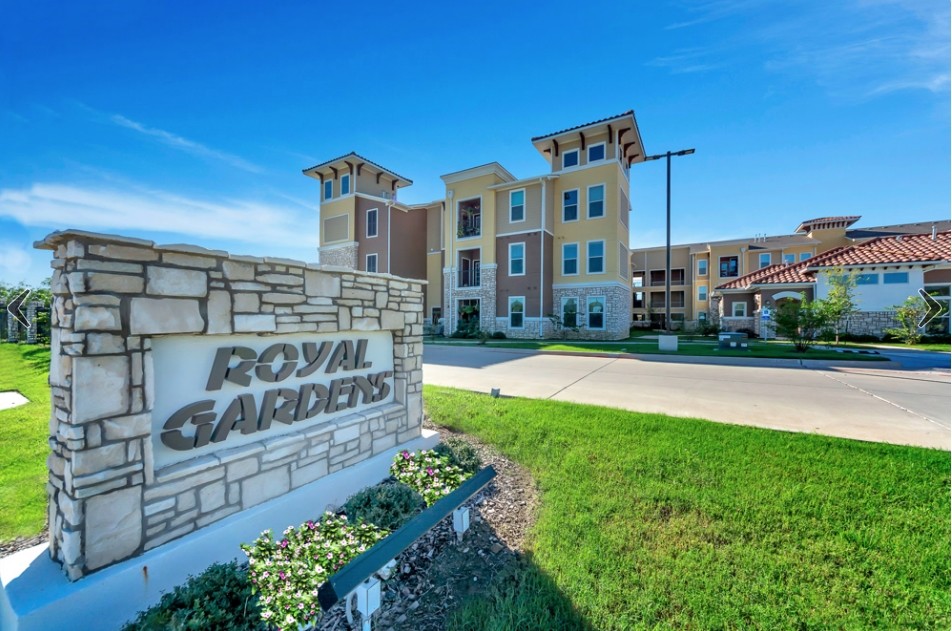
point(885, 402)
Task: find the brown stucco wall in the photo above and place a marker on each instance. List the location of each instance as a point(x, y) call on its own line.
point(408, 243)
point(374, 245)
point(527, 285)
point(937, 276)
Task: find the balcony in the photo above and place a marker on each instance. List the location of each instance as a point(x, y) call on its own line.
point(468, 265)
point(657, 277)
point(469, 218)
point(469, 228)
point(468, 277)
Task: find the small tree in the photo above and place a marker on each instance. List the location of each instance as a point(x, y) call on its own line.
point(909, 314)
point(840, 303)
point(800, 321)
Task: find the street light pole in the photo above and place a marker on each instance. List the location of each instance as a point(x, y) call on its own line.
point(667, 266)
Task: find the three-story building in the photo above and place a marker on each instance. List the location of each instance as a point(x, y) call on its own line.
point(524, 256)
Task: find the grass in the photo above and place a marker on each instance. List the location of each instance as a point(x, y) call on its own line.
point(653, 521)
point(938, 347)
point(24, 432)
point(695, 348)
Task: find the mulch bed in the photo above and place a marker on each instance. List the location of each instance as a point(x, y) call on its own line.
point(436, 574)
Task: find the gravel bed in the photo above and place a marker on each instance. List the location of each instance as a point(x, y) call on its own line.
point(436, 574)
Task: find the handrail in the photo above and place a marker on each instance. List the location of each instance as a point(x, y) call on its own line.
point(349, 577)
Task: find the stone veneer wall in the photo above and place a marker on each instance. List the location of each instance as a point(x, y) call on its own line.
point(617, 305)
point(111, 296)
point(736, 324)
point(530, 330)
point(872, 323)
point(339, 255)
point(486, 292)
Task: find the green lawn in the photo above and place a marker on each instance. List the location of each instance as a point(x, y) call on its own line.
point(653, 521)
point(939, 347)
point(24, 432)
point(693, 347)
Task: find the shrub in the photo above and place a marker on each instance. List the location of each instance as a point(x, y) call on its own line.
point(428, 473)
point(499, 335)
point(386, 505)
point(287, 573)
point(853, 337)
point(460, 453)
point(909, 314)
point(221, 597)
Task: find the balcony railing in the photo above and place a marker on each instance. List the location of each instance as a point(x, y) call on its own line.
point(469, 227)
point(469, 278)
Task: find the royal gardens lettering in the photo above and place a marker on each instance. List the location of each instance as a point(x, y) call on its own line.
point(251, 387)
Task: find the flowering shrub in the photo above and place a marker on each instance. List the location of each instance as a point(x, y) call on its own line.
point(428, 473)
point(288, 572)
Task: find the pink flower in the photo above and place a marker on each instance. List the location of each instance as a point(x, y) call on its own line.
point(429, 471)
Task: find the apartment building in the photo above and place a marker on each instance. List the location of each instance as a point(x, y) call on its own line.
point(504, 251)
point(704, 274)
point(364, 226)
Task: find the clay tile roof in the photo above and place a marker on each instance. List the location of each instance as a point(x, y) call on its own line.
point(776, 274)
point(914, 248)
point(354, 154)
point(745, 281)
point(601, 120)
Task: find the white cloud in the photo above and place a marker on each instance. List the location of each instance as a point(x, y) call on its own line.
point(186, 145)
point(61, 206)
point(14, 260)
point(856, 49)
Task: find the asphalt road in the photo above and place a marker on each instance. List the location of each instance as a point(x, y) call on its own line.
point(905, 401)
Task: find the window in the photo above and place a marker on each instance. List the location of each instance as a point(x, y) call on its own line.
point(596, 152)
point(596, 312)
point(328, 189)
point(702, 267)
point(371, 262)
point(344, 184)
point(867, 279)
point(570, 159)
point(638, 300)
point(596, 257)
point(789, 259)
point(702, 316)
point(570, 205)
point(702, 293)
point(728, 266)
point(739, 309)
point(895, 278)
point(596, 201)
point(804, 256)
point(657, 299)
point(569, 259)
point(437, 313)
point(569, 313)
point(371, 223)
point(517, 206)
point(517, 309)
point(677, 299)
point(517, 259)
point(764, 259)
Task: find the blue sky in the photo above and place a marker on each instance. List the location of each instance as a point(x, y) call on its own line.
point(180, 122)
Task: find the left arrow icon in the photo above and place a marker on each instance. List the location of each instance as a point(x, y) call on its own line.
point(14, 308)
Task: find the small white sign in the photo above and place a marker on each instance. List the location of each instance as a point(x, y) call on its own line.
point(218, 392)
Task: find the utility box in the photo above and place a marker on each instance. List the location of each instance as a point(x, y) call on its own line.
point(732, 341)
point(668, 343)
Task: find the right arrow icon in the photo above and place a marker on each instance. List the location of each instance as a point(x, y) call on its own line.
point(935, 308)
